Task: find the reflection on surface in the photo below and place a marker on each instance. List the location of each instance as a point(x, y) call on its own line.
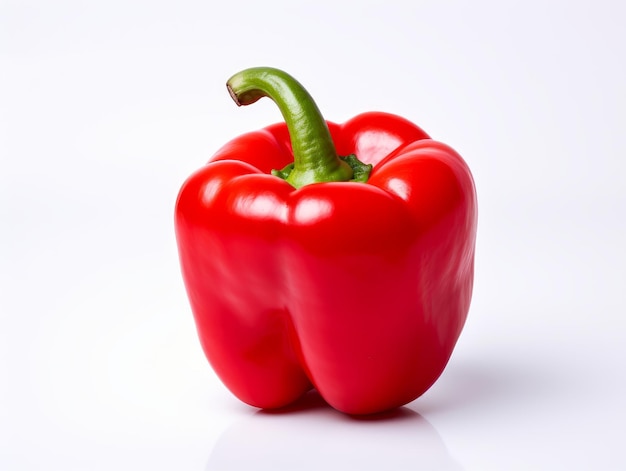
point(312, 436)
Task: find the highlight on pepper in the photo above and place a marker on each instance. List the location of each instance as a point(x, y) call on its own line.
point(331, 256)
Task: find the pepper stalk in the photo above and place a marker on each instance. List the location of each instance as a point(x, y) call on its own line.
point(315, 156)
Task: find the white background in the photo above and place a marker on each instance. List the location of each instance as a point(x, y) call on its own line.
point(105, 109)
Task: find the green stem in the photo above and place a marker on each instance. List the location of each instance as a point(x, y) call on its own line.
point(315, 157)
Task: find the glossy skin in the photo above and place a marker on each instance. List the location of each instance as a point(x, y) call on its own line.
point(357, 289)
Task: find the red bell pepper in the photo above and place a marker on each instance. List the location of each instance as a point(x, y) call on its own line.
point(350, 275)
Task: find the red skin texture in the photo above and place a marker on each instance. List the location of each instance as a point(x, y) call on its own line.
point(360, 290)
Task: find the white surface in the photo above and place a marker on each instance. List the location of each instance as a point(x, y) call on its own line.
point(106, 107)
